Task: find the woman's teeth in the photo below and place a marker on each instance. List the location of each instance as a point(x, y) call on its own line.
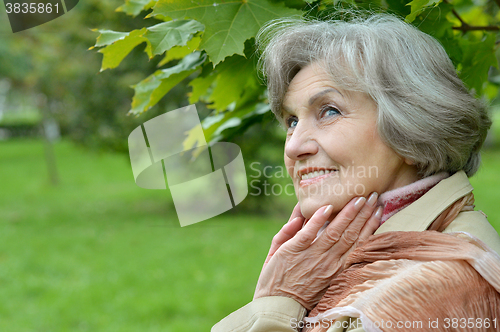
point(314, 174)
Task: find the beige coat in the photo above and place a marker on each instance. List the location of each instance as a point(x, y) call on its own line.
point(284, 314)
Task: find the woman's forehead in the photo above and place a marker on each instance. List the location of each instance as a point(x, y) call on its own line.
point(310, 78)
point(310, 84)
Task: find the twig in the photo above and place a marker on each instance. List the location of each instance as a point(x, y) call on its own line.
point(458, 16)
point(464, 27)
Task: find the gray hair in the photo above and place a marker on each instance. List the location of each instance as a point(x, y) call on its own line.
point(425, 113)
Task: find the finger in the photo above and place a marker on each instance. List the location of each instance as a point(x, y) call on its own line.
point(296, 213)
point(371, 225)
point(353, 231)
point(361, 219)
point(307, 234)
point(336, 228)
point(287, 232)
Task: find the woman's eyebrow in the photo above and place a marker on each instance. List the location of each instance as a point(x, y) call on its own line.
point(287, 110)
point(319, 94)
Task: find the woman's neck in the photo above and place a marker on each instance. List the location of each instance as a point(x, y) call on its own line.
point(397, 199)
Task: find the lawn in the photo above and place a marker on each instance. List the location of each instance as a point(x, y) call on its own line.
point(97, 253)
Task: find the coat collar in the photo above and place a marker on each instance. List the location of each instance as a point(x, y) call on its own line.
point(421, 213)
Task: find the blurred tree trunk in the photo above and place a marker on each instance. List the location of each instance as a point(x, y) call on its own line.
point(50, 133)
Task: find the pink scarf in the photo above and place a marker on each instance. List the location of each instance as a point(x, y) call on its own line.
point(397, 199)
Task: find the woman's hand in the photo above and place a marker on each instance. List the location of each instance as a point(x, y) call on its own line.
point(286, 232)
point(303, 266)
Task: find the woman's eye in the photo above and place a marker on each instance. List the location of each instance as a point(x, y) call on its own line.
point(329, 111)
point(291, 122)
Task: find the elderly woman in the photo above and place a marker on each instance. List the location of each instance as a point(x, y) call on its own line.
point(381, 138)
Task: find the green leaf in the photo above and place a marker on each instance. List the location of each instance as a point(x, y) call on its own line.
point(107, 37)
point(228, 23)
point(418, 6)
point(201, 84)
point(478, 58)
point(134, 7)
point(236, 74)
point(166, 35)
point(149, 91)
point(179, 52)
point(119, 49)
point(230, 80)
point(434, 21)
point(249, 115)
point(399, 7)
point(219, 125)
point(195, 137)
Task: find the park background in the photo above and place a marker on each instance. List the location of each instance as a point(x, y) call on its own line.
point(82, 248)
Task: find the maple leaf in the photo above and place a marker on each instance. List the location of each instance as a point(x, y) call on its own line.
point(166, 35)
point(228, 24)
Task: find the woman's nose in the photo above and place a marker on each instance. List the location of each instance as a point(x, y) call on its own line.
point(301, 143)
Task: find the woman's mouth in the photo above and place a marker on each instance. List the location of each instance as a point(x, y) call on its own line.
point(310, 177)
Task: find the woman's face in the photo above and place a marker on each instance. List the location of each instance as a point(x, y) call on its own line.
point(333, 151)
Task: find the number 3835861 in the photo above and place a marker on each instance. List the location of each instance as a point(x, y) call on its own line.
point(31, 8)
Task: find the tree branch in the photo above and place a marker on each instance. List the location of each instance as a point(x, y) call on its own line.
point(458, 16)
point(466, 27)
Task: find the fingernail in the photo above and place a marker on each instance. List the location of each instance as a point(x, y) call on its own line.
point(328, 210)
point(379, 212)
point(294, 220)
point(359, 203)
point(372, 199)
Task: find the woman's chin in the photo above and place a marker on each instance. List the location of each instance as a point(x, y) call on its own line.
point(309, 205)
point(309, 208)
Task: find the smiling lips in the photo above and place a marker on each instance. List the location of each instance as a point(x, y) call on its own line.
point(310, 176)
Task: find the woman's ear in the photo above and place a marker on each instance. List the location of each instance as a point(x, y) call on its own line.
point(409, 161)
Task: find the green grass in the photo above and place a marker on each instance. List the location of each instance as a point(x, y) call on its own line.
point(486, 183)
point(98, 253)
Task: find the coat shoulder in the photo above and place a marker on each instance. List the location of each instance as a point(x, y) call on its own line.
point(476, 224)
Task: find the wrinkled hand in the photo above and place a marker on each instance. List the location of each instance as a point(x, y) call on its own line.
point(301, 266)
point(288, 231)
